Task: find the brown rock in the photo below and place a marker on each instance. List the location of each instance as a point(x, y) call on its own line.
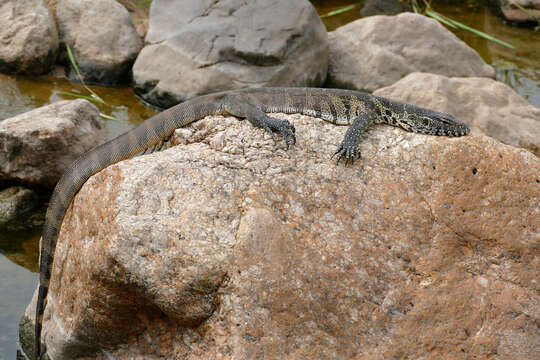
point(230, 247)
point(377, 51)
point(28, 37)
point(38, 145)
point(486, 104)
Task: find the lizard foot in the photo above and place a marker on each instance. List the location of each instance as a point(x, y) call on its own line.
point(348, 152)
point(285, 128)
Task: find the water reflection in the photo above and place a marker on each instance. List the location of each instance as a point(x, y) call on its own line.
point(21, 94)
point(16, 288)
point(21, 247)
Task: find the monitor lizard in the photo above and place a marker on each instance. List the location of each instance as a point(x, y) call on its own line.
point(342, 107)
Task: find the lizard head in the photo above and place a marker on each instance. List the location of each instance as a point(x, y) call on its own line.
point(435, 123)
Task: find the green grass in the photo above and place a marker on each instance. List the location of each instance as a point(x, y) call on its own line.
point(338, 11)
point(93, 97)
point(456, 24)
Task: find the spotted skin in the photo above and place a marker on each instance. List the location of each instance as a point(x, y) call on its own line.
point(341, 107)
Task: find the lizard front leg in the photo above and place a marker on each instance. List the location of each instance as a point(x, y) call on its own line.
point(244, 109)
point(349, 146)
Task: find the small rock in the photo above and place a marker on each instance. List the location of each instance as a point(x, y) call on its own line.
point(102, 38)
point(37, 146)
point(518, 12)
point(377, 51)
point(486, 104)
point(200, 252)
point(16, 204)
point(223, 45)
point(384, 7)
point(28, 37)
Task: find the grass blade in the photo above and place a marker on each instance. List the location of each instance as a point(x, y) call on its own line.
point(72, 60)
point(339, 11)
point(477, 32)
point(438, 17)
point(457, 24)
point(109, 117)
point(415, 6)
point(76, 67)
point(483, 34)
point(85, 97)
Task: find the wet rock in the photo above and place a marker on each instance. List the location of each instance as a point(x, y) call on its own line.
point(102, 38)
point(16, 205)
point(483, 103)
point(28, 37)
point(377, 51)
point(384, 7)
point(222, 45)
point(518, 12)
point(231, 247)
point(26, 339)
point(38, 145)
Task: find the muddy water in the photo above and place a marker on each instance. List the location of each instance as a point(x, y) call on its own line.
point(519, 68)
point(21, 94)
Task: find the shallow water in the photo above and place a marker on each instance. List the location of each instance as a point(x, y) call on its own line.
point(519, 68)
point(20, 94)
point(18, 279)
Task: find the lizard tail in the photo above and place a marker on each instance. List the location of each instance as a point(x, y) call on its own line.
point(40, 308)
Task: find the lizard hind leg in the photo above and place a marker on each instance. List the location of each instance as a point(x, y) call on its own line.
point(256, 116)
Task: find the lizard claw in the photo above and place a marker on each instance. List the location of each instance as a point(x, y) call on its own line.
point(347, 152)
point(285, 128)
point(269, 130)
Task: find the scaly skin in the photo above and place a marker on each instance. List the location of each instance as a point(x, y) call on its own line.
point(341, 107)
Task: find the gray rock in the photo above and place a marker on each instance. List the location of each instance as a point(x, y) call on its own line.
point(482, 103)
point(38, 145)
point(230, 247)
point(377, 51)
point(28, 37)
point(16, 204)
point(220, 45)
point(102, 38)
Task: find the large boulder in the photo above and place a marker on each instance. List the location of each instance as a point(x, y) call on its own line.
point(102, 38)
point(486, 104)
point(231, 247)
point(28, 37)
point(37, 146)
point(223, 45)
point(377, 51)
